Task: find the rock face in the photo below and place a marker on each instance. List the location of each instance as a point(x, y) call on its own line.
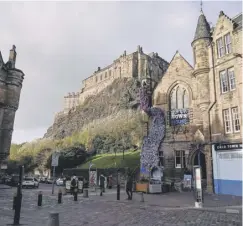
point(11, 80)
point(122, 94)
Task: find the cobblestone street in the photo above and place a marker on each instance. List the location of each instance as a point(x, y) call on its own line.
point(168, 209)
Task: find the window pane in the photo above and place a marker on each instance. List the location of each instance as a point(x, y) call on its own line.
point(231, 76)
point(224, 82)
point(227, 121)
point(179, 96)
point(220, 46)
point(228, 43)
point(185, 99)
point(236, 120)
point(173, 100)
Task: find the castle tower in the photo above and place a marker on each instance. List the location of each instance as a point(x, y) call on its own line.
point(200, 45)
point(12, 86)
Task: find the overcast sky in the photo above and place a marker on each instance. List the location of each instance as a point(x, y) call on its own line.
point(59, 44)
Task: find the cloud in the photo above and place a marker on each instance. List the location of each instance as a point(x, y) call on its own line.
point(61, 43)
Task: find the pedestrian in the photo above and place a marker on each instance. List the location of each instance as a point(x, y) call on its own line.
point(129, 185)
point(102, 184)
point(74, 184)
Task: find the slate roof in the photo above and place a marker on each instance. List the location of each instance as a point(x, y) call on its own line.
point(238, 21)
point(203, 28)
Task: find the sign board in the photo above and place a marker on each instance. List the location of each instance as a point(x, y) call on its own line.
point(187, 183)
point(224, 147)
point(92, 178)
point(198, 178)
point(179, 116)
point(55, 158)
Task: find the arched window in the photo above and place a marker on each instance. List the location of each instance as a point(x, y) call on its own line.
point(179, 104)
point(179, 98)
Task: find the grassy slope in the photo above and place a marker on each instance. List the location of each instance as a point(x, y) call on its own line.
point(131, 160)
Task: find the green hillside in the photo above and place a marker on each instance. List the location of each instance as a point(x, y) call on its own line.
point(104, 161)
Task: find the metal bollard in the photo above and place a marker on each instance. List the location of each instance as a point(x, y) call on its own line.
point(118, 192)
point(75, 195)
point(53, 219)
point(14, 201)
point(39, 202)
point(142, 197)
point(59, 196)
point(86, 193)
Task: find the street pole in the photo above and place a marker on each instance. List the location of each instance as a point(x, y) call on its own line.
point(19, 197)
point(118, 184)
point(53, 182)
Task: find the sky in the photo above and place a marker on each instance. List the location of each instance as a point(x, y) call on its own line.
point(59, 44)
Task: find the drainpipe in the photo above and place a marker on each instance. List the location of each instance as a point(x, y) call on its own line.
point(210, 108)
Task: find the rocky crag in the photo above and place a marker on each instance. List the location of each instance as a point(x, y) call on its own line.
point(117, 100)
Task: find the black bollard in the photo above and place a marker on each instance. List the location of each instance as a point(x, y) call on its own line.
point(118, 192)
point(59, 196)
point(39, 202)
point(14, 201)
point(75, 195)
point(19, 197)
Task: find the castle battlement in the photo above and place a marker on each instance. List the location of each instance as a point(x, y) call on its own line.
point(133, 65)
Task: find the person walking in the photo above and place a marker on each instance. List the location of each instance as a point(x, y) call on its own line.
point(102, 184)
point(129, 185)
point(74, 184)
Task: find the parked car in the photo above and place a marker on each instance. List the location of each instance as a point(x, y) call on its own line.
point(60, 182)
point(49, 180)
point(30, 182)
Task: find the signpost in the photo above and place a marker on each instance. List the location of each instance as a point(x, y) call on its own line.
point(198, 187)
point(54, 163)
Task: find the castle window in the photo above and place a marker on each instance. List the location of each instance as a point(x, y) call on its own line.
point(228, 45)
point(227, 80)
point(220, 47)
point(100, 77)
point(110, 73)
point(235, 119)
point(161, 158)
point(106, 75)
point(231, 120)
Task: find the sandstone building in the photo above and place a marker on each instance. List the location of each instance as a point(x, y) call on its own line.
point(11, 80)
point(203, 106)
point(132, 65)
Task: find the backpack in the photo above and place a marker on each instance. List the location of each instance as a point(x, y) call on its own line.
point(73, 182)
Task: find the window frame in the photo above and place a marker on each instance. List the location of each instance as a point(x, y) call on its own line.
point(230, 121)
point(161, 158)
point(182, 157)
point(220, 47)
point(228, 44)
point(221, 83)
point(234, 119)
point(229, 79)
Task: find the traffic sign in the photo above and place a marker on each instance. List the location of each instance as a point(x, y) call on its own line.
point(55, 158)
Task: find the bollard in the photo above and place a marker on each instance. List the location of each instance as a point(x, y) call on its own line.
point(86, 193)
point(53, 219)
point(39, 202)
point(142, 197)
point(59, 196)
point(118, 192)
point(101, 191)
point(14, 201)
point(75, 195)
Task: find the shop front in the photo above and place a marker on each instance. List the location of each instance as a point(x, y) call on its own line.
point(227, 168)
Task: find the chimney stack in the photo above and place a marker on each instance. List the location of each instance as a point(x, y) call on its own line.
point(12, 56)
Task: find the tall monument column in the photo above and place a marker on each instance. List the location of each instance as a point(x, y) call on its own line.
point(10, 89)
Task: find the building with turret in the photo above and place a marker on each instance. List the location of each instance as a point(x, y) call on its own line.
point(11, 80)
point(203, 106)
point(132, 65)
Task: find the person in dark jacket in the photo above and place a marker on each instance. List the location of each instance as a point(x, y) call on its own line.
point(129, 185)
point(102, 184)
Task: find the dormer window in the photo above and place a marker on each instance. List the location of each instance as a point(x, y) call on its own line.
point(224, 45)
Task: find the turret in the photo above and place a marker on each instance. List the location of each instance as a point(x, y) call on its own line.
point(200, 44)
point(12, 56)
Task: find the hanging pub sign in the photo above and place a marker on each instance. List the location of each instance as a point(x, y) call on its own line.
point(179, 116)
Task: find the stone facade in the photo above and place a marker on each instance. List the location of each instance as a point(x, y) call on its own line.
point(195, 98)
point(11, 80)
point(134, 65)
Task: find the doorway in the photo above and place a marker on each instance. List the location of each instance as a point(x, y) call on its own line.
point(200, 160)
